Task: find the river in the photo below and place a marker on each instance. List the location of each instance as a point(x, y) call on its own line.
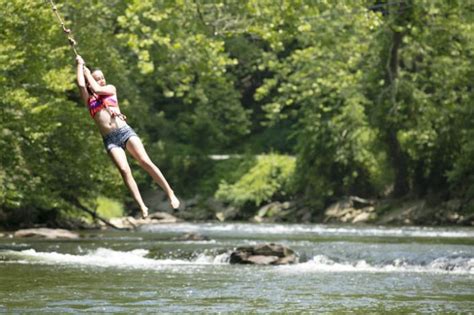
point(342, 269)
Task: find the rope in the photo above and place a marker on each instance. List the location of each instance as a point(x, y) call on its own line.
point(73, 43)
point(67, 31)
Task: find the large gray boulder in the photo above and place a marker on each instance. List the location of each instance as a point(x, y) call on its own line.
point(46, 233)
point(264, 254)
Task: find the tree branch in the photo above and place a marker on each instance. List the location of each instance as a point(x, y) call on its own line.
point(76, 203)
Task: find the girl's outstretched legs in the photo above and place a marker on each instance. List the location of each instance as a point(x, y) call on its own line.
point(120, 159)
point(136, 149)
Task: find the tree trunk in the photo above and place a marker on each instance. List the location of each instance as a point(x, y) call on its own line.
point(399, 164)
point(398, 158)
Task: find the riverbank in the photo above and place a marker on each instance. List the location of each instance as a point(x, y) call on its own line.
point(407, 212)
point(349, 210)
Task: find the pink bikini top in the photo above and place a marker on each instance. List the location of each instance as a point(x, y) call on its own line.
point(98, 102)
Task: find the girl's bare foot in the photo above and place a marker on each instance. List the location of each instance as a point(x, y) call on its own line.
point(144, 212)
point(174, 201)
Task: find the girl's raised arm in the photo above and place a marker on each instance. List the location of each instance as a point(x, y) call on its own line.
point(96, 87)
point(81, 81)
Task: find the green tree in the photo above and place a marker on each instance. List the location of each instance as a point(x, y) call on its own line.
point(423, 92)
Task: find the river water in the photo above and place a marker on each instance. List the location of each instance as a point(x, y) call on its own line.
point(341, 269)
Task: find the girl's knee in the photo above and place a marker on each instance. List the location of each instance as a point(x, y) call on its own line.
point(146, 163)
point(125, 171)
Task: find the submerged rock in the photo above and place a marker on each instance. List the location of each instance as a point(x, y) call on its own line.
point(191, 237)
point(264, 254)
point(46, 233)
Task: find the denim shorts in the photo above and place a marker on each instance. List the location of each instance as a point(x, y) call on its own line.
point(118, 138)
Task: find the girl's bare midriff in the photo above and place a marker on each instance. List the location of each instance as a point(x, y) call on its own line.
point(106, 123)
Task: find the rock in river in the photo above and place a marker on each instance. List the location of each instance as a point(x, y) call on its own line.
point(46, 233)
point(191, 237)
point(264, 254)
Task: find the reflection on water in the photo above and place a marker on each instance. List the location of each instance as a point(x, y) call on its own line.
point(342, 269)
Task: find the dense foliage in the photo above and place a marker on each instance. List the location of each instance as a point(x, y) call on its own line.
point(269, 177)
point(371, 97)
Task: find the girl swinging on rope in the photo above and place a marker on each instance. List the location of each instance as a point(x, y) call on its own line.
point(118, 136)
